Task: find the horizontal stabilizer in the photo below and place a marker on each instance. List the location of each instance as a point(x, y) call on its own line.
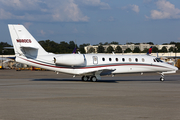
point(30, 47)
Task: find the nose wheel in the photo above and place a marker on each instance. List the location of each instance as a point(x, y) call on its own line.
point(162, 78)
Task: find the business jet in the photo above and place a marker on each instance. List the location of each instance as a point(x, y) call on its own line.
point(90, 66)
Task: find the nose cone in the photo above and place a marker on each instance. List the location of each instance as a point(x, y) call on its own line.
point(172, 67)
point(175, 68)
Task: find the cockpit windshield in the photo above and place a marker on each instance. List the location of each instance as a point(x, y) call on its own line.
point(158, 60)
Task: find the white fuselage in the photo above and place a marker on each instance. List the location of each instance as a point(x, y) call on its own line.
point(97, 62)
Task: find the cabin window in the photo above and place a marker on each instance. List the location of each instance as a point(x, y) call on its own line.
point(116, 59)
point(130, 59)
point(136, 60)
point(110, 59)
point(143, 59)
point(103, 59)
point(123, 59)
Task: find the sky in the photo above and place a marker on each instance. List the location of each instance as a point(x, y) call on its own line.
point(94, 21)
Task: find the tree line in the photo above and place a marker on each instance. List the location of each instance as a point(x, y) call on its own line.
point(65, 47)
point(5, 51)
point(62, 47)
point(49, 46)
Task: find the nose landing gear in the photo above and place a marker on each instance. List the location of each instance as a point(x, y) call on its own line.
point(162, 77)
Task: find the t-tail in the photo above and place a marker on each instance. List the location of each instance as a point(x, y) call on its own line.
point(149, 51)
point(24, 43)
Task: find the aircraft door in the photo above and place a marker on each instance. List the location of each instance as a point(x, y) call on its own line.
point(95, 60)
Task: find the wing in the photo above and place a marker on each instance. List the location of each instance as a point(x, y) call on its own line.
point(98, 73)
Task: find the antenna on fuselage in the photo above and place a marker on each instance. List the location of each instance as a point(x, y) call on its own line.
point(157, 55)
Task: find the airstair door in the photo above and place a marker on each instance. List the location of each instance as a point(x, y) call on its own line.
point(95, 60)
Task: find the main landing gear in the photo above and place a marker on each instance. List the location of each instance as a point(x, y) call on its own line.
point(85, 78)
point(92, 78)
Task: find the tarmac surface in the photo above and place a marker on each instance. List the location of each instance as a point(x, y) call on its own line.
point(44, 95)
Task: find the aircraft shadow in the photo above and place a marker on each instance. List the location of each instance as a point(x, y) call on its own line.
point(52, 79)
point(99, 81)
point(77, 80)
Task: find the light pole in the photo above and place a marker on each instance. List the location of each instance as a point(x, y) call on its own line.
point(175, 49)
point(2, 58)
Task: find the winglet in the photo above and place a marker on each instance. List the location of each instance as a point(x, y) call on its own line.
point(149, 51)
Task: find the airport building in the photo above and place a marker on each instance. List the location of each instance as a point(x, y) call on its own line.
point(141, 46)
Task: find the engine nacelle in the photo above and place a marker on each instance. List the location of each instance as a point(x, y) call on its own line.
point(70, 60)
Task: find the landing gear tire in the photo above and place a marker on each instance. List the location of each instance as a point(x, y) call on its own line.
point(93, 79)
point(161, 79)
point(85, 78)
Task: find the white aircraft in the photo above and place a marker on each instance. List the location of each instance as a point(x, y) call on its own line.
point(29, 51)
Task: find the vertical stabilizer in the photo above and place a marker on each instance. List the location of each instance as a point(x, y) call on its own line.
point(149, 51)
point(24, 43)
